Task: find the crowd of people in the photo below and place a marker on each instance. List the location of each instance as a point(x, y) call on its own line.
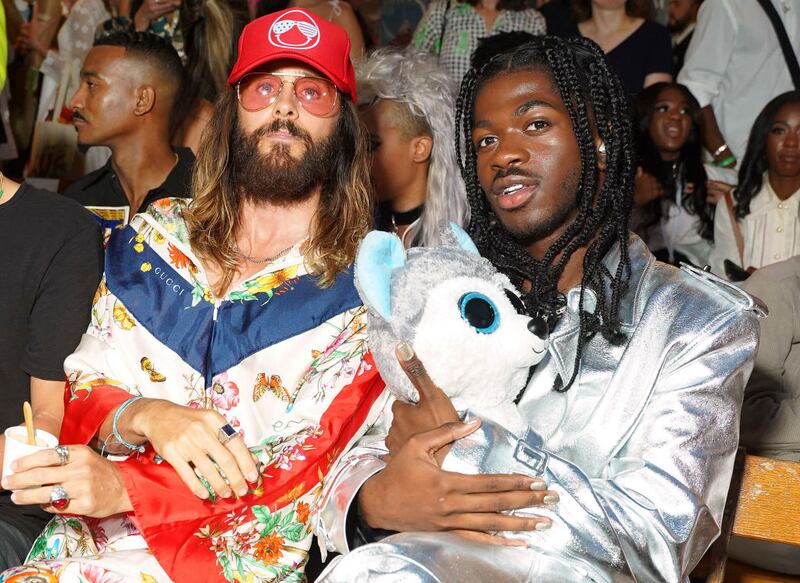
point(184, 318)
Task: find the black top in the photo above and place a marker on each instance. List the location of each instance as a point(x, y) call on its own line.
point(647, 50)
point(51, 262)
point(102, 188)
point(559, 19)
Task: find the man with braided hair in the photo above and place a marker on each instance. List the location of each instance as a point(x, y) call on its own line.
point(631, 421)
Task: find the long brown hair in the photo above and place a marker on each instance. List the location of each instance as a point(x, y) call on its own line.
point(343, 218)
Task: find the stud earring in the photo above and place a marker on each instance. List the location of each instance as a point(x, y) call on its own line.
point(602, 148)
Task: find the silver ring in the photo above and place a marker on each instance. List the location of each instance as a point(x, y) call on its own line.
point(59, 497)
point(226, 433)
point(63, 454)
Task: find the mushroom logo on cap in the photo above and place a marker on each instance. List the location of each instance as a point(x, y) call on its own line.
point(294, 30)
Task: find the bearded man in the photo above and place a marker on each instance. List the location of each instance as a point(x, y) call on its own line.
point(227, 349)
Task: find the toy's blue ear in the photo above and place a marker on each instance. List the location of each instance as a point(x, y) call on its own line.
point(378, 256)
point(463, 239)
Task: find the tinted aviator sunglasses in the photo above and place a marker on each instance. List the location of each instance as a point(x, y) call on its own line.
point(258, 91)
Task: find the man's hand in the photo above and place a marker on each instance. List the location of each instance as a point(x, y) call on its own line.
point(716, 191)
point(151, 10)
point(413, 494)
point(433, 409)
point(93, 483)
point(188, 438)
point(28, 39)
point(423, 496)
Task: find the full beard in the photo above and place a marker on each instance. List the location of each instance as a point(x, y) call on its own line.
point(277, 177)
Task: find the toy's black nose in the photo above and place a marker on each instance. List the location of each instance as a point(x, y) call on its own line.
point(538, 326)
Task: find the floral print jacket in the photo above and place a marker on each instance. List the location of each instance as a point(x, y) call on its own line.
point(283, 360)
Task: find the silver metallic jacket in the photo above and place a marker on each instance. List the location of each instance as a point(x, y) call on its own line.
point(640, 449)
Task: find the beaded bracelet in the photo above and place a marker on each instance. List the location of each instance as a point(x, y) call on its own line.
point(729, 161)
point(115, 432)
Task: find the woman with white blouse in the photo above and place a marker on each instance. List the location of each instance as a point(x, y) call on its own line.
point(766, 203)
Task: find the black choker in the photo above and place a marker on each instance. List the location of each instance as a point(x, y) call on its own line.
point(407, 217)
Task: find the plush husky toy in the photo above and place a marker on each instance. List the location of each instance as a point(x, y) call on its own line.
point(466, 324)
point(464, 319)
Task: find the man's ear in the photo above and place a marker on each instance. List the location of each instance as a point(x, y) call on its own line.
point(145, 100)
point(421, 147)
point(601, 154)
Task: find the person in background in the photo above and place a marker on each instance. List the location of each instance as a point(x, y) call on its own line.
point(75, 38)
point(770, 413)
point(129, 85)
point(760, 223)
point(203, 33)
point(51, 262)
point(489, 46)
point(638, 49)
point(559, 18)
point(673, 215)
point(223, 324)
point(770, 417)
point(407, 103)
point(451, 29)
point(734, 65)
point(335, 11)
point(681, 21)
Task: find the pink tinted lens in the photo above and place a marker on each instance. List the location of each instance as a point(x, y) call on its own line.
point(317, 96)
point(258, 91)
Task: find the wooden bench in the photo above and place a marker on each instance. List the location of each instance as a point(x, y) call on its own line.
point(763, 504)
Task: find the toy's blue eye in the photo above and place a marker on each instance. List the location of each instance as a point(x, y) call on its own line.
point(479, 312)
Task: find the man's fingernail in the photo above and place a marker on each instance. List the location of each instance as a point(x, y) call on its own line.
point(472, 422)
point(243, 492)
point(252, 478)
point(543, 526)
point(14, 497)
point(538, 485)
point(405, 351)
point(551, 499)
point(227, 494)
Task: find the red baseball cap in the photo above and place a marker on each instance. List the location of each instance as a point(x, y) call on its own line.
point(299, 35)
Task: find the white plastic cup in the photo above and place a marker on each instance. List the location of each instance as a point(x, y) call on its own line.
point(17, 445)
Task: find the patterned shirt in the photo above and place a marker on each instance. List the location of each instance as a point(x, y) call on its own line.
point(284, 361)
point(454, 34)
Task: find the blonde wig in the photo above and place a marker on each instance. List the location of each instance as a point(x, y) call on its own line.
point(425, 94)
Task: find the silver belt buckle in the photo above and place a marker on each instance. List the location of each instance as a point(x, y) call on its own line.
point(531, 457)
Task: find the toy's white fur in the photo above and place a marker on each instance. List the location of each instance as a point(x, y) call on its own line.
point(478, 371)
point(482, 372)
